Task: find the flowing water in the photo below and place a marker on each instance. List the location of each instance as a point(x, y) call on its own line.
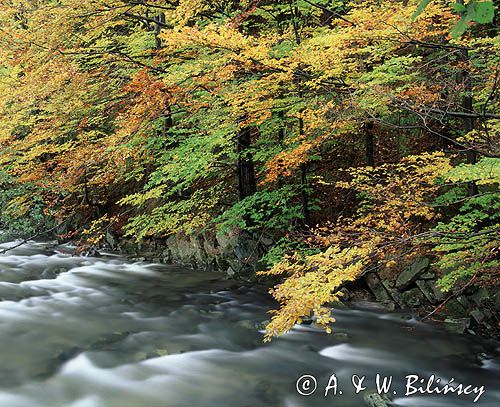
point(80, 331)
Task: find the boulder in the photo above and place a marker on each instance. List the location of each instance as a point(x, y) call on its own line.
point(110, 240)
point(412, 273)
point(456, 325)
point(497, 302)
point(480, 296)
point(454, 309)
point(413, 298)
point(395, 294)
point(376, 287)
point(427, 290)
point(438, 293)
point(478, 316)
point(428, 275)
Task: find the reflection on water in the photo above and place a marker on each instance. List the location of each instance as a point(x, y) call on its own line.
point(78, 331)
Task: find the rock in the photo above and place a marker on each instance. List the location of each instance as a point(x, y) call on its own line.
point(110, 240)
point(49, 273)
point(342, 336)
point(456, 325)
point(373, 282)
point(480, 296)
point(454, 309)
point(346, 295)
point(247, 250)
point(464, 302)
point(427, 291)
point(262, 325)
point(395, 294)
point(497, 301)
point(390, 306)
point(230, 272)
point(376, 400)
point(438, 293)
point(92, 252)
point(246, 324)
point(413, 298)
point(429, 275)
point(412, 273)
point(478, 316)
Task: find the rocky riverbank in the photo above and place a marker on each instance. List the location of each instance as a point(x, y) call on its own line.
point(473, 310)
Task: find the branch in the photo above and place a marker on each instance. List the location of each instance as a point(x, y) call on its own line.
point(30, 238)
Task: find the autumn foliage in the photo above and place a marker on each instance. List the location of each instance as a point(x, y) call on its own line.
point(362, 133)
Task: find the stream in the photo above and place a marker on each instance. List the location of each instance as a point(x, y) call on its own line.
point(107, 331)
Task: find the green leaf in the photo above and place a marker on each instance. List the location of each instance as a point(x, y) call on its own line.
point(485, 12)
point(460, 27)
point(421, 7)
point(459, 8)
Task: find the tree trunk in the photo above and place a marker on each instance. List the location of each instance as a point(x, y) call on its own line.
point(469, 121)
point(370, 144)
point(281, 141)
point(467, 108)
point(303, 184)
point(304, 194)
point(160, 21)
point(247, 185)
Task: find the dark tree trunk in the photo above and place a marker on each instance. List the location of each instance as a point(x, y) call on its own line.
point(282, 131)
point(281, 141)
point(168, 123)
point(303, 184)
point(247, 185)
point(467, 108)
point(370, 144)
point(160, 21)
point(469, 122)
point(304, 194)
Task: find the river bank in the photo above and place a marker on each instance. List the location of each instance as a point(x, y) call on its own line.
point(473, 310)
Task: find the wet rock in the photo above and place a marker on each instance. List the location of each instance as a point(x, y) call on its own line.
point(412, 273)
point(429, 275)
point(454, 309)
point(261, 326)
point(438, 293)
point(390, 306)
point(342, 336)
point(464, 302)
point(92, 252)
point(110, 240)
point(478, 316)
point(395, 294)
point(346, 295)
point(376, 287)
point(247, 250)
point(50, 273)
point(480, 296)
point(427, 290)
point(246, 324)
point(456, 325)
point(413, 298)
point(377, 400)
point(497, 301)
